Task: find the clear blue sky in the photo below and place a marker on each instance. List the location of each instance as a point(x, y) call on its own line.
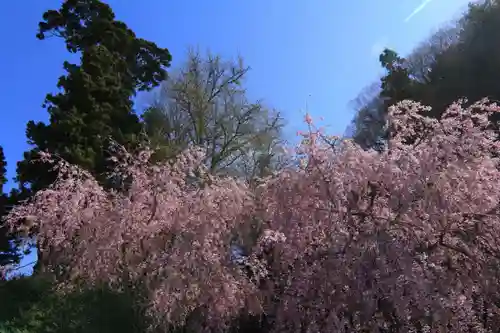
point(325, 49)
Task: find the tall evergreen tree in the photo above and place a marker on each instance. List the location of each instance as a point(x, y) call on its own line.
point(95, 101)
point(397, 84)
point(8, 252)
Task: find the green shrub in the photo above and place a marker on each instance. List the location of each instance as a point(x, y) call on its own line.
point(29, 305)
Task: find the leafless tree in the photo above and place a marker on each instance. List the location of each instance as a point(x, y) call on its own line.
point(205, 103)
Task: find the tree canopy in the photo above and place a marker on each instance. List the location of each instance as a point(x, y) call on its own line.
point(456, 62)
point(136, 215)
point(95, 102)
point(346, 225)
point(205, 104)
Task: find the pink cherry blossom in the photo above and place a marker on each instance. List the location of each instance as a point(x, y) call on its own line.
point(404, 240)
point(308, 119)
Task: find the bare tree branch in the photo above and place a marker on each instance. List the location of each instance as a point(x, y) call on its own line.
point(205, 104)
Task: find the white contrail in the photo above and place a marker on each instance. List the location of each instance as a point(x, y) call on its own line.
point(418, 9)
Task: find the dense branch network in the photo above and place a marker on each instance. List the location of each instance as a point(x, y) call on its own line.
point(404, 239)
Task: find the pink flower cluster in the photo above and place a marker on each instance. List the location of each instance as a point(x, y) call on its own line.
point(407, 240)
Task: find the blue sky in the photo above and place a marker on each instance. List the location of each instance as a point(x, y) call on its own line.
point(319, 51)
